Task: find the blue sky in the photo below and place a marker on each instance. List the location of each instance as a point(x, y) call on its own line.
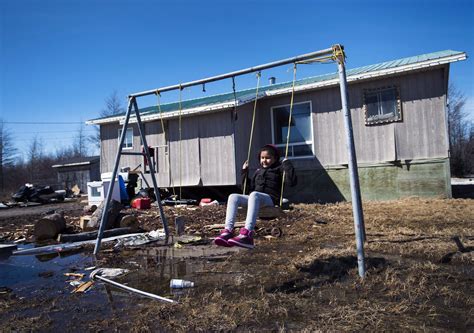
point(59, 60)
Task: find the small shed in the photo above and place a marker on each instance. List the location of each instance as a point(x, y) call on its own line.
point(78, 171)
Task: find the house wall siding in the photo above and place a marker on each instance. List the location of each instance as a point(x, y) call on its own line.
point(156, 139)
point(243, 125)
point(377, 182)
point(203, 156)
point(109, 148)
point(421, 134)
point(216, 143)
point(219, 145)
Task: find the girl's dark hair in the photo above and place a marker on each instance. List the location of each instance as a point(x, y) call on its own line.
point(272, 150)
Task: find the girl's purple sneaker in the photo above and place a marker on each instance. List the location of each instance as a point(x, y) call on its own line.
point(222, 239)
point(244, 239)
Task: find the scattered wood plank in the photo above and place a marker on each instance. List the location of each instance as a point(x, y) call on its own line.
point(221, 226)
point(82, 288)
point(77, 275)
point(84, 222)
point(83, 236)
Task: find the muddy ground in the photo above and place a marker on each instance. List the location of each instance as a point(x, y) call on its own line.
point(419, 257)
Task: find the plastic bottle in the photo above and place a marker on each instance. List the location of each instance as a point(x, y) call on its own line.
point(179, 284)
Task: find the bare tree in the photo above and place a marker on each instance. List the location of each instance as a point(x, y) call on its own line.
point(35, 149)
point(80, 143)
point(460, 134)
point(113, 106)
point(8, 153)
point(34, 155)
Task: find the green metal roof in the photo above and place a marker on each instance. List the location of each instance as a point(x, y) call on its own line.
point(245, 96)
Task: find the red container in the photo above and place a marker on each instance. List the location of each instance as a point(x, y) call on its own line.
point(141, 203)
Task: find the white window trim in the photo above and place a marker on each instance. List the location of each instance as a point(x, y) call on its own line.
point(118, 143)
point(298, 143)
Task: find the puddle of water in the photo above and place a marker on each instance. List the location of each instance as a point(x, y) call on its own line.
point(158, 265)
point(25, 272)
point(152, 268)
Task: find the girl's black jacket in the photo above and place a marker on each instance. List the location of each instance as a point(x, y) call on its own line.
point(268, 180)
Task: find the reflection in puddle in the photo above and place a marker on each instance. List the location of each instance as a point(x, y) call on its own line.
point(29, 272)
point(158, 265)
point(152, 268)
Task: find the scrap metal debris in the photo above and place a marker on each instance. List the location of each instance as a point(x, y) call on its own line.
point(141, 239)
point(108, 272)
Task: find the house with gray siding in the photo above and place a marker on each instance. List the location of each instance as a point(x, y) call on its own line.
point(399, 120)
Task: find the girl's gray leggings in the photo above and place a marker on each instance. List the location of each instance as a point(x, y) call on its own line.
point(253, 202)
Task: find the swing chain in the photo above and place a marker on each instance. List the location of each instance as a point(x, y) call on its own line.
point(180, 140)
point(234, 112)
point(158, 95)
point(289, 131)
point(259, 74)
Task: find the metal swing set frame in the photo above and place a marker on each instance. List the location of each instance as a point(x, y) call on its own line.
point(335, 54)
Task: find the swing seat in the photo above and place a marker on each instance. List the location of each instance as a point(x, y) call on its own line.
point(273, 212)
point(268, 212)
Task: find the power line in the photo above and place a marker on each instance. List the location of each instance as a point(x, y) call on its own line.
point(38, 132)
point(43, 122)
point(47, 139)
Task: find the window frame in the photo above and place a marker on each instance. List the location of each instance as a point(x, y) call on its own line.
point(398, 117)
point(290, 145)
point(126, 147)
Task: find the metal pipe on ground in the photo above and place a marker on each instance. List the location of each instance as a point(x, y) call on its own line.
point(133, 290)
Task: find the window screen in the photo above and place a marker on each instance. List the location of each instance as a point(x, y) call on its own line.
point(382, 105)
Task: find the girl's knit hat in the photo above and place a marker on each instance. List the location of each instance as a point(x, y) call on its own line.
point(272, 149)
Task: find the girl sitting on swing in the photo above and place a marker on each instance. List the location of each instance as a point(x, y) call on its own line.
point(265, 188)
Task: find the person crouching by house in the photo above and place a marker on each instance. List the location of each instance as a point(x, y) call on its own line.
point(265, 189)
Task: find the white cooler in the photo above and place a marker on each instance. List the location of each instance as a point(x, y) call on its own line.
point(96, 192)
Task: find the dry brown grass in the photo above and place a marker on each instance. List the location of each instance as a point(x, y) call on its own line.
point(307, 280)
point(417, 277)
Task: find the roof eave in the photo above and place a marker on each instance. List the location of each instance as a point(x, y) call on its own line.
point(73, 164)
point(310, 86)
point(105, 120)
point(374, 74)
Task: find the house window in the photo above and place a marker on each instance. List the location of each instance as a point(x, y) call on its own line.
point(382, 105)
point(128, 142)
point(301, 139)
